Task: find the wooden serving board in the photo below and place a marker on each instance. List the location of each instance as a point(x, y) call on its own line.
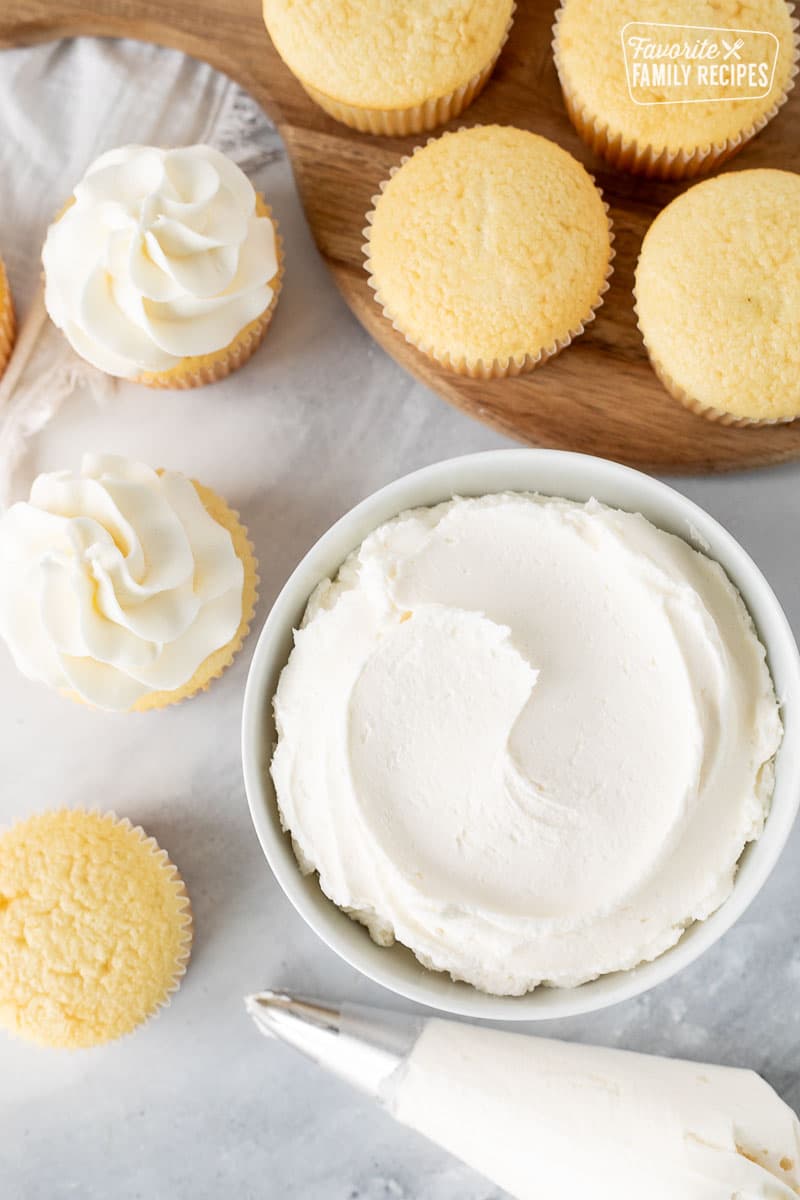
point(600, 396)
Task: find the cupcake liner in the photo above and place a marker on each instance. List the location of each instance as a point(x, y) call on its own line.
point(717, 415)
point(184, 905)
point(210, 368)
point(221, 659)
point(184, 916)
point(8, 324)
point(478, 368)
point(419, 118)
point(627, 154)
point(398, 123)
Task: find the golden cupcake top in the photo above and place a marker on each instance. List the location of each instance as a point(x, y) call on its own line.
point(95, 928)
point(718, 293)
point(489, 244)
point(381, 54)
point(665, 73)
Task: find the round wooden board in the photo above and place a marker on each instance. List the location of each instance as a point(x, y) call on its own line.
point(600, 396)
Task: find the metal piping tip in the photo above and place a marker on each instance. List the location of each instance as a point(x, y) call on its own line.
point(364, 1046)
point(276, 1012)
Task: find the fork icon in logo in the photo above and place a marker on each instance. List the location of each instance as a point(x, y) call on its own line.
point(732, 48)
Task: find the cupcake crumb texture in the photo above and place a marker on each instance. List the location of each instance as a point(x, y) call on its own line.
point(383, 54)
point(718, 295)
point(489, 244)
point(95, 928)
point(591, 67)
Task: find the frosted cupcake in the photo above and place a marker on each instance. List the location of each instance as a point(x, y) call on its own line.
point(489, 250)
point(164, 267)
point(7, 320)
point(632, 127)
point(718, 297)
point(388, 68)
point(123, 587)
point(95, 928)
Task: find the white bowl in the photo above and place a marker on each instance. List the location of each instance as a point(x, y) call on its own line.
point(556, 473)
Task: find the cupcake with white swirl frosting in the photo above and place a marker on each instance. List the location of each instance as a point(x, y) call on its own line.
point(124, 587)
point(164, 267)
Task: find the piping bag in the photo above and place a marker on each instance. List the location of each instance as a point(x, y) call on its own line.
point(542, 1118)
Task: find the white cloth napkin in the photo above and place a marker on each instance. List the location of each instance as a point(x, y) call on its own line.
point(63, 105)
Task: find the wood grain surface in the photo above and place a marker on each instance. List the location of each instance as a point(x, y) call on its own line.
point(600, 396)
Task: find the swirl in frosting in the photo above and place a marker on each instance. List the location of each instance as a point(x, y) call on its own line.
point(117, 582)
point(161, 256)
point(527, 738)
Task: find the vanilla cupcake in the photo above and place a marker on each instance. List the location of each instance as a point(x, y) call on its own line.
point(625, 118)
point(123, 587)
point(383, 67)
point(718, 297)
point(95, 928)
point(489, 250)
point(164, 267)
point(7, 320)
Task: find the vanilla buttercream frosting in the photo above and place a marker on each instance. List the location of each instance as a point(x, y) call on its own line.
point(525, 737)
point(544, 1118)
point(160, 256)
point(116, 582)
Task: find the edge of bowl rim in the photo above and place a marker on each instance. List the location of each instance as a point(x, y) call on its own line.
point(553, 1003)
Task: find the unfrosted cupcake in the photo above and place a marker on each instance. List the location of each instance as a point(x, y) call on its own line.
point(95, 928)
point(674, 139)
point(7, 320)
point(164, 267)
point(489, 250)
point(718, 297)
point(383, 67)
point(124, 587)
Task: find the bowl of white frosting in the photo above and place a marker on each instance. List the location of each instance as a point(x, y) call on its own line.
point(521, 735)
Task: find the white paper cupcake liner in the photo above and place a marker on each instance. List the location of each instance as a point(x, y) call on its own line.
point(627, 154)
point(183, 903)
point(496, 368)
point(418, 118)
point(707, 411)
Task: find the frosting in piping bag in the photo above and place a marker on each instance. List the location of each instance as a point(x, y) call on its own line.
point(550, 1120)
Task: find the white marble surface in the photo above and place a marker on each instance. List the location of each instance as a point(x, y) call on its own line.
point(195, 1104)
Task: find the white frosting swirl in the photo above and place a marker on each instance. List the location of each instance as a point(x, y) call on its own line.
point(160, 257)
point(525, 737)
point(116, 583)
